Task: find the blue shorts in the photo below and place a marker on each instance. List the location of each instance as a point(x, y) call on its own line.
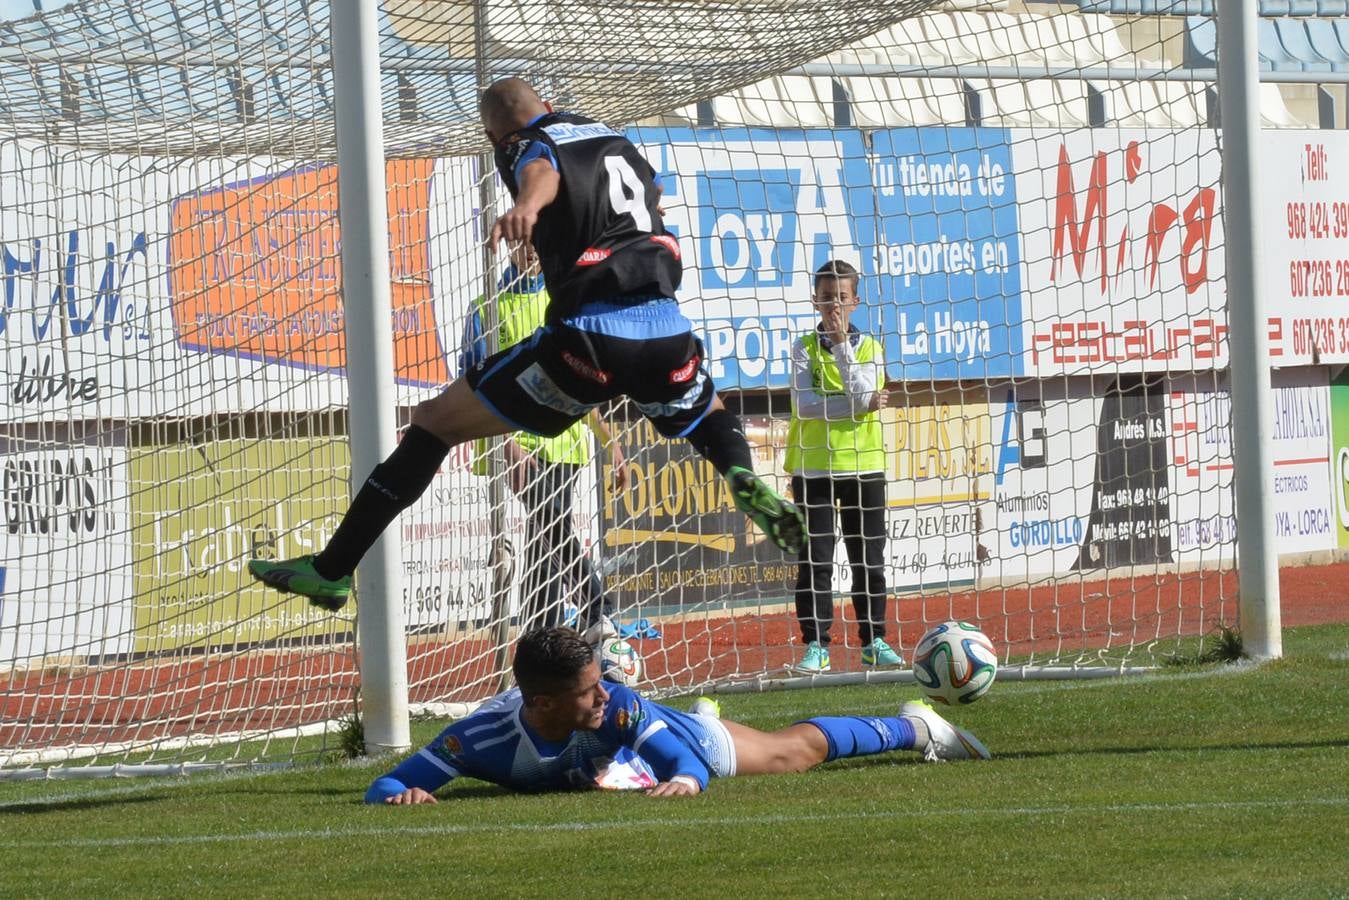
point(643, 349)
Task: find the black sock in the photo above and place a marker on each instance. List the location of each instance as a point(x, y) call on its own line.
point(392, 487)
point(720, 439)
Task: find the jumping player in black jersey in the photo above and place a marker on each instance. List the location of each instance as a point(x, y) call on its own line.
point(588, 202)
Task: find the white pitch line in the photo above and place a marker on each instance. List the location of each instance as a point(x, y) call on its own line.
point(384, 831)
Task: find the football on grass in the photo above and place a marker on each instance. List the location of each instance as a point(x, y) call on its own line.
point(955, 663)
point(619, 662)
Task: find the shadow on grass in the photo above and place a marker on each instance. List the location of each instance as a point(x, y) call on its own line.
point(462, 790)
point(482, 790)
point(161, 792)
point(31, 807)
point(289, 791)
point(155, 793)
point(901, 757)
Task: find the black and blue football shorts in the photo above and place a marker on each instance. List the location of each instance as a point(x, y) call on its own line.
point(644, 349)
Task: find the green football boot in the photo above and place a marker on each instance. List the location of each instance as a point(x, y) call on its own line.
point(777, 517)
point(297, 576)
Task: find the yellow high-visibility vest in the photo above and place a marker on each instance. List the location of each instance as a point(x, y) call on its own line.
point(520, 315)
point(854, 444)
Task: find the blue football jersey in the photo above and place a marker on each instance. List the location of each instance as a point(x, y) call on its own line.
point(639, 744)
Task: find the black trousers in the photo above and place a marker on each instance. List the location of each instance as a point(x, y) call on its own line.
point(555, 565)
point(860, 501)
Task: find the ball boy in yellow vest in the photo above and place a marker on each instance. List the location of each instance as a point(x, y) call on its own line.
point(836, 457)
point(544, 470)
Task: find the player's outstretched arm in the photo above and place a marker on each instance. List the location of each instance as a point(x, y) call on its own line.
point(412, 782)
point(641, 729)
point(681, 773)
point(539, 183)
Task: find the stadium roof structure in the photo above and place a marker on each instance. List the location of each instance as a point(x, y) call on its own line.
point(194, 77)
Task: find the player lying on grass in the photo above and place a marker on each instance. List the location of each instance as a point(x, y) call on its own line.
point(564, 727)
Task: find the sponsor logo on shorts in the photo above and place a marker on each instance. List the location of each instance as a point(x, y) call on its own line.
point(668, 242)
point(685, 372)
point(545, 392)
point(581, 367)
point(592, 255)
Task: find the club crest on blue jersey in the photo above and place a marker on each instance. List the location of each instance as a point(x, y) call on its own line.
point(628, 716)
point(449, 749)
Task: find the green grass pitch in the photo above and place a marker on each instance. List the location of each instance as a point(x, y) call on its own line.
point(1207, 781)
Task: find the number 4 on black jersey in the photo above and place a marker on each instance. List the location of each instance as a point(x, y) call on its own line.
point(602, 238)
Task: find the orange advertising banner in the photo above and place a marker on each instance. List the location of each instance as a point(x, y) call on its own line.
point(255, 271)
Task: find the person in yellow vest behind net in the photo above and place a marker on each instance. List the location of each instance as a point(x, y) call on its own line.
point(544, 470)
point(836, 456)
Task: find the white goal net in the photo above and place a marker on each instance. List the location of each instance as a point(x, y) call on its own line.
point(1040, 243)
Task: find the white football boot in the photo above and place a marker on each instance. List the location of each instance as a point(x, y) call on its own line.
point(947, 741)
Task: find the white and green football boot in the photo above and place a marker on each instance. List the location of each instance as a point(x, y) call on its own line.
point(946, 741)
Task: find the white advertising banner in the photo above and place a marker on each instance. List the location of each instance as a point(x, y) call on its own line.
point(1304, 245)
point(65, 554)
point(447, 544)
point(136, 288)
point(1044, 450)
point(1123, 251)
point(1203, 465)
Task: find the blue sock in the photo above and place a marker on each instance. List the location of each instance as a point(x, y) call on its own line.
point(862, 736)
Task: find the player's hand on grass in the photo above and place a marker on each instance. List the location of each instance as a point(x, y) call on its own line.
point(680, 788)
point(410, 797)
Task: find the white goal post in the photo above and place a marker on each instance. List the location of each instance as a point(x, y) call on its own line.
point(199, 366)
